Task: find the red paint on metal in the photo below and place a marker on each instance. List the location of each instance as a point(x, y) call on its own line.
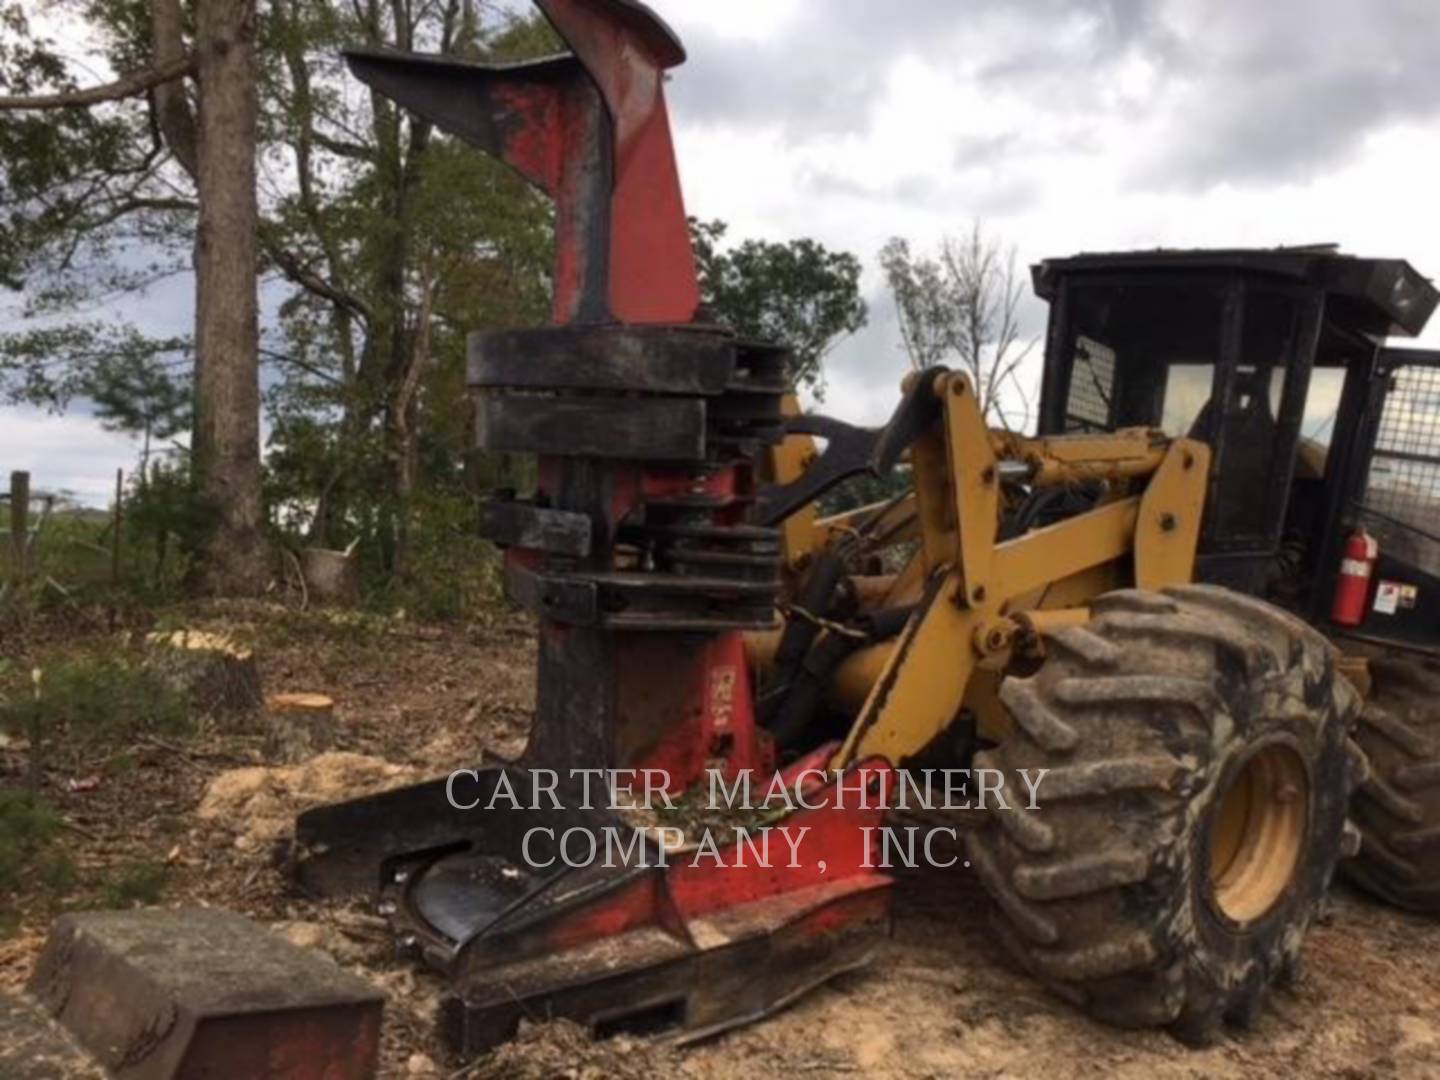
point(812, 769)
point(672, 483)
point(536, 146)
point(834, 845)
point(837, 849)
point(718, 732)
point(652, 264)
point(634, 906)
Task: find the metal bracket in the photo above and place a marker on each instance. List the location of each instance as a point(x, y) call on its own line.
point(853, 450)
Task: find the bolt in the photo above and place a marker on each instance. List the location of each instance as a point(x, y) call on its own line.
point(958, 387)
point(402, 876)
point(988, 476)
point(978, 594)
point(1169, 522)
point(1188, 460)
point(409, 942)
point(386, 908)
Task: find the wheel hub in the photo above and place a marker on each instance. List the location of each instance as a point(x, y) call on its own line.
point(1258, 837)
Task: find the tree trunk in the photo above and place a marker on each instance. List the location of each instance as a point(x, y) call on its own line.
point(227, 391)
point(404, 436)
point(172, 107)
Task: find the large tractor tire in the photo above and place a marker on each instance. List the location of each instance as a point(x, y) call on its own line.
point(1193, 812)
point(1398, 807)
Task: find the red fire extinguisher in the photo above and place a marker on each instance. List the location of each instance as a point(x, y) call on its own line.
point(1352, 590)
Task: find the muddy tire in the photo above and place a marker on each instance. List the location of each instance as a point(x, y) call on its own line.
point(1193, 816)
point(1398, 807)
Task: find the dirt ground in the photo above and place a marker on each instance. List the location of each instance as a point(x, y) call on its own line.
point(939, 1001)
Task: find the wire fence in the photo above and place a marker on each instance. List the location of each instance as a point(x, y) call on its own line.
point(47, 542)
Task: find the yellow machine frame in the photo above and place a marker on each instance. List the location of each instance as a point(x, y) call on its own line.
point(995, 596)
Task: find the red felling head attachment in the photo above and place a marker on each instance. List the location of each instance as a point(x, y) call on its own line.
point(593, 131)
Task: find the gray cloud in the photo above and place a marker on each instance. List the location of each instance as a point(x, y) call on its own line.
point(1243, 92)
point(821, 74)
point(964, 194)
point(1276, 92)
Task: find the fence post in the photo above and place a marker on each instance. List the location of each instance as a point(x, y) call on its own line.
point(115, 531)
point(19, 527)
point(116, 526)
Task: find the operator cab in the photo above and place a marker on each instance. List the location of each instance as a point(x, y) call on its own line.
point(1277, 359)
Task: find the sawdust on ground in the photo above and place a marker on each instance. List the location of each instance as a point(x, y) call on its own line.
point(259, 803)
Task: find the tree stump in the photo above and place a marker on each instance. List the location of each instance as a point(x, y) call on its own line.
point(218, 675)
point(298, 726)
point(331, 577)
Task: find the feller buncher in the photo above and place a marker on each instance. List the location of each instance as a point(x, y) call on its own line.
point(1199, 599)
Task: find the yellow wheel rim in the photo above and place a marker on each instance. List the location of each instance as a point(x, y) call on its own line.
point(1258, 837)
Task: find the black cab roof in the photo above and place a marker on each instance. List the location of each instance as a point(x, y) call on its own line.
point(1380, 297)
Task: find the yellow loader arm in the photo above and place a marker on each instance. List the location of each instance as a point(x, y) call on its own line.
point(977, 597)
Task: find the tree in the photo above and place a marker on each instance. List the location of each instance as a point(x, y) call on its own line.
point(210, 142)
point(225, 442)
point(406, 241)
point(798, 293)
point(961, 308)
point(138, 396)
point(391, 239)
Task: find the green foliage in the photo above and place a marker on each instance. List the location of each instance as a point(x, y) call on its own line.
point(27, 852)
point(51, 190)
point(452, 574)
point(138, 884)
point(69, 548)
point(375, 221)
point(88, 204)
point(138, 395)
point(800, 294)
point(166, 522)
point(87, 702)
point(866, 490)
point(416, 227)
point(26, 826)
point(391, 241)
point(31, 860)
point(50, 365)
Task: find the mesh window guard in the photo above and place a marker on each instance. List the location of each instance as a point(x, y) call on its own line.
point(1404, 486)
point(1092, 387)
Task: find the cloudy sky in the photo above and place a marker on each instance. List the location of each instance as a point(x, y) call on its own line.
point(1064, 125)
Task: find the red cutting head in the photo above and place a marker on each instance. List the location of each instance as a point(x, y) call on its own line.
point(593, 131)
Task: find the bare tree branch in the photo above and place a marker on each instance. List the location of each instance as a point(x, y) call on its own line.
point(962, 308)
point(343, 147)
point(130, 86)
point(294, 268)
point(303, 365)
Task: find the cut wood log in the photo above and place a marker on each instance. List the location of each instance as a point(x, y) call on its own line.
point(298, 726)
point(218, 675)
